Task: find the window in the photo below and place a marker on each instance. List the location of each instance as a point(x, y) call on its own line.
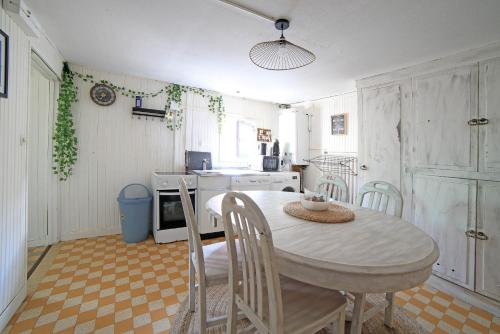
point(238, 140)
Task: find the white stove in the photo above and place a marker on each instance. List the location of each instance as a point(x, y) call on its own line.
point(169, 224)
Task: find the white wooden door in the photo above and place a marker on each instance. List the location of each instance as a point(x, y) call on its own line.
point(488, 251)
point(445, 208)
point(489, 108)
point(379, 151)
point(39, 154)
point(443, 103)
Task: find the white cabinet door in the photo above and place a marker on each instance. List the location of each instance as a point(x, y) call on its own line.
point(380, 135)
point(206, 222)
point(445, 208)
point(443, 103)
point(489, 108)
point(488, 251)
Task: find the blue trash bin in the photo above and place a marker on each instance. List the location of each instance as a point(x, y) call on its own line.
point(135, 212)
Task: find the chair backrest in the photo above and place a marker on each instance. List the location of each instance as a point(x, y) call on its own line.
point(333, 186)
point(259, 277)
point(194, 239)
point(377, 194)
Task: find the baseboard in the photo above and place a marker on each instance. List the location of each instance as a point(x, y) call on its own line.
point(466, 295)
point(91, 234)
point(9, 311)
point(37, 243)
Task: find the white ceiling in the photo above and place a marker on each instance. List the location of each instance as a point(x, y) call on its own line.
point(205, 43)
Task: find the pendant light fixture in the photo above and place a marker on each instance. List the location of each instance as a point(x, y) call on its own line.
point(281, 54)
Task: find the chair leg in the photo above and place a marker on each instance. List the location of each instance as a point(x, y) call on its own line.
point(192, 286)
point(202, 307)
point(389, 310)
point(232, 316)
point(338, 327)
point(341, 322)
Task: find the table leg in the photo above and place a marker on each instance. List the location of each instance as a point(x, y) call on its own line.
point(389, 310)
point(358, 313)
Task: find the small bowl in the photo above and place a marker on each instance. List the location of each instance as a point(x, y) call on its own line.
point(314, 206)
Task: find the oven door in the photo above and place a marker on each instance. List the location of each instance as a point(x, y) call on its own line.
point(170, 213)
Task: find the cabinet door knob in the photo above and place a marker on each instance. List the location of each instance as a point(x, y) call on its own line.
point(473, 122)
point(483, 121)
point(481, 236)
point(470, 233)
point(363, 167)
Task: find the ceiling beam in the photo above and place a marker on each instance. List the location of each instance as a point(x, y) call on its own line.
point(248, 10)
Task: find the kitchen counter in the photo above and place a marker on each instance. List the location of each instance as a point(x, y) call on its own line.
point(230, 172)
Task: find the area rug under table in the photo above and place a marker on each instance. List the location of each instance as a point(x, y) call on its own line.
point(188, 323)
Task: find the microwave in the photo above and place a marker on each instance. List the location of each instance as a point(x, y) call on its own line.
point(266, 163)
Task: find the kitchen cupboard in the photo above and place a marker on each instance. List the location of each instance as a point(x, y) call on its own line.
point(489, 109)
point(488, 242)
point(448, 158)
point(379, 151)
point(209, 187)
point(444, 102)
point(445, 208)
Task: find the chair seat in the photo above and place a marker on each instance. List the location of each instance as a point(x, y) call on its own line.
point(306, 308)
point(216, 262)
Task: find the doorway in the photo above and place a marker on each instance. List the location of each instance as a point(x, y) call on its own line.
point(42, 105)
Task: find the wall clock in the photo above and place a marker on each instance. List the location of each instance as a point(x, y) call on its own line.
point(102, 95)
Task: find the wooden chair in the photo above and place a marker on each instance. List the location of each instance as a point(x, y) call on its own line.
point(377, 195)
point(207, 264)
point(272, 303)
point(333, 186)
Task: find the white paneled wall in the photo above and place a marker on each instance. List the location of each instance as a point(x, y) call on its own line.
point(13, 179)
point(322, 139)
point(116, 149)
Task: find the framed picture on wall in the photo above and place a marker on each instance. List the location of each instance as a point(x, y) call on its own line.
point(339, 124)
point(264, 135)
point(4, 63)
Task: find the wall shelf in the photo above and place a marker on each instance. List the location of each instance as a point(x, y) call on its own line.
point(148, 112)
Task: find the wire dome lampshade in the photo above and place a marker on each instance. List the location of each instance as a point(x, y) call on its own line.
point(280, 55)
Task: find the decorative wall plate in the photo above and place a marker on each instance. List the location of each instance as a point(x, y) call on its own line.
point(102, 95)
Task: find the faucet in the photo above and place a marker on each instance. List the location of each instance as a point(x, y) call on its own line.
point(204, 163)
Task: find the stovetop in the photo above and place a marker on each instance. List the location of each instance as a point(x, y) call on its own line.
point(170, 180)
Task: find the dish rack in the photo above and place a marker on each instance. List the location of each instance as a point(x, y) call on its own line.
point(345, 166)
point(336, 164)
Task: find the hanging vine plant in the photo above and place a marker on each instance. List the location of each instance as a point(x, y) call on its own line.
point(174, 114)
point(65, 141)
point(216, 105)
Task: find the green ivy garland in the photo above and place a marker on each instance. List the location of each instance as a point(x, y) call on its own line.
point(65, 141)
point(64, 137)
point(174, 118)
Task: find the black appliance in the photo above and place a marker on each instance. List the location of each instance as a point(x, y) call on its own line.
point(194, 160)
point(270, 163)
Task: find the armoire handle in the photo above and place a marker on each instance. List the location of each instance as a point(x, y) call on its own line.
point(483, 121)
point(481, 236)
point(473, 122)
point(363, 167)
point(470, 234)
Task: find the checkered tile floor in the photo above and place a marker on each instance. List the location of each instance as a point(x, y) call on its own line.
point(102, 285)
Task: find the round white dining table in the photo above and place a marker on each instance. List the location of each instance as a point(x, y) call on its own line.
point(374, 253)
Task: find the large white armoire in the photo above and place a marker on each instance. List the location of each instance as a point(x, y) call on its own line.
point(433, 130)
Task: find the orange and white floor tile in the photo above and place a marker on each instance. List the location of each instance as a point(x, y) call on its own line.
point(103, 285)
